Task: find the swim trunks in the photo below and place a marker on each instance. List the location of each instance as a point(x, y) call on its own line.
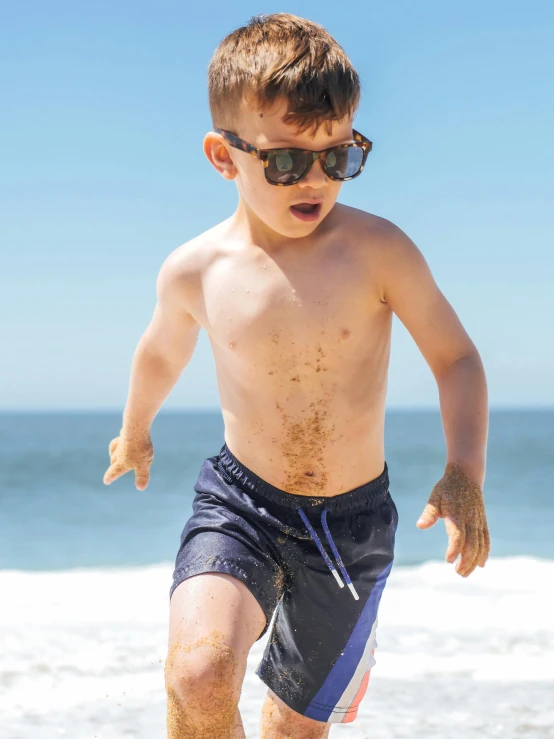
point(320, 651)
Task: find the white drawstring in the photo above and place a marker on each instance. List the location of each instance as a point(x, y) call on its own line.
point(334, 549)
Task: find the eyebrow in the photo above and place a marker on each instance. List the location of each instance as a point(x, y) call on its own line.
point(289, 145)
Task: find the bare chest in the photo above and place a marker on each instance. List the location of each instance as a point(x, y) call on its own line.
point(262, 310)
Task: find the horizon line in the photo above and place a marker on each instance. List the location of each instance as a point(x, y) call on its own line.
point(217, 409)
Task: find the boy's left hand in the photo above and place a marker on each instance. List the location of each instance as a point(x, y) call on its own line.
point(459, 500)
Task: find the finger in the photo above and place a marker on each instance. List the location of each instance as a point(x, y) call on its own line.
point(470, 552)
point(112, 450)
point(480, 548)
point(482, 558)
point(113, 472)
point(456, 532)
point(142, 478)
point(429, 517)
point(457, 537)
point(486, 545)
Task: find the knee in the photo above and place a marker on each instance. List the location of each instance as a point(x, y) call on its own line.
point(202, 673)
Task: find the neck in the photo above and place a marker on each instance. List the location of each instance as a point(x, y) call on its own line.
point(254, 231)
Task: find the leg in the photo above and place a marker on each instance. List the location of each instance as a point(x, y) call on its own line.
point(281, 722)
point(214, 620)
point(321, 649)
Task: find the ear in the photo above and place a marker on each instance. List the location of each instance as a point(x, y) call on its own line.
point(217, 152)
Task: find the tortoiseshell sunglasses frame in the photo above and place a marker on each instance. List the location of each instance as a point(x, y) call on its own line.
point(263, 154)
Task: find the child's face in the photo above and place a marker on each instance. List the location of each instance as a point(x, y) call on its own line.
point(269, 203)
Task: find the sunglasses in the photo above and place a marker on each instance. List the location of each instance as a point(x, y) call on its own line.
point(284, 167)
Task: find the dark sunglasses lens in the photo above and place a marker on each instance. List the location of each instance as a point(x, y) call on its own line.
point(285, 166)
point(344, 162)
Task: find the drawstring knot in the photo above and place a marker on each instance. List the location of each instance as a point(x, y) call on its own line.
point(334, 549)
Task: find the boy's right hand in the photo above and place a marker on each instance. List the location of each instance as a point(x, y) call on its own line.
point(128, 452)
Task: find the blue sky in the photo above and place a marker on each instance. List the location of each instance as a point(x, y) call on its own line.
point(102, 175)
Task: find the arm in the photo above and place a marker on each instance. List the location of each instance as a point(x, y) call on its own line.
point(163, 351)
point(411, 292)
point(160, 357)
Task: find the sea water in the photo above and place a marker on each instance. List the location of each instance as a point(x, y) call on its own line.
point(85, 571)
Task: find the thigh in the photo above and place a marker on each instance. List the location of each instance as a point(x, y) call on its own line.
point(279, 720)
point(220, 538)
point(214, 611)
point(214, 620)
point(321, 650)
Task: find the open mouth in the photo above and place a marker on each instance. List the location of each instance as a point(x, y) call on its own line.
point(306, 211)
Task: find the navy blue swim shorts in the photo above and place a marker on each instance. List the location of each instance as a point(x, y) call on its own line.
point(324, 597)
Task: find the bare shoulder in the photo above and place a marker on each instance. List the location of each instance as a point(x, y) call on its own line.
point(180, 275)
point(387, 247)
point(388, 252)
point(192, 257)
point(378, 235)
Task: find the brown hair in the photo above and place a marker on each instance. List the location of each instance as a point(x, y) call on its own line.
point(282, 55)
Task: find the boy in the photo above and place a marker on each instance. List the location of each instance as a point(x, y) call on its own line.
point(297, 293)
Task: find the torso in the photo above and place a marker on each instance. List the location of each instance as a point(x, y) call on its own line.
point(301, 342)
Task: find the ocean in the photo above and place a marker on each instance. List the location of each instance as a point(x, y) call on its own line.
point(85, 571)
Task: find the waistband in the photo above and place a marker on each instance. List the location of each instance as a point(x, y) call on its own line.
point(368, 496)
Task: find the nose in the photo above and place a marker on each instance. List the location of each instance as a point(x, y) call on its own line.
point(316, 176)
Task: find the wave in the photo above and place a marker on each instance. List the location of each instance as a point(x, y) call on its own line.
point(82, 643)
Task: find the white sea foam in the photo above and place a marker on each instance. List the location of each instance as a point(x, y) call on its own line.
point(83, 652)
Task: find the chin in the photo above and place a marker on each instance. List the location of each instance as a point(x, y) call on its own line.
point(300, 231)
